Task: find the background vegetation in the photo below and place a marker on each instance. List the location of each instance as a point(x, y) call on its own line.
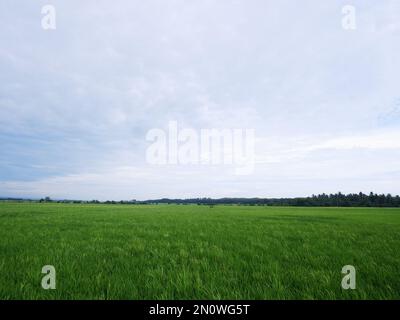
point(321, 200)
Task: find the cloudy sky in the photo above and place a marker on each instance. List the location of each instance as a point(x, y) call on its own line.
point(77, 102)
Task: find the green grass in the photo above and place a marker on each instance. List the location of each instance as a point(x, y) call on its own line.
point(197, 252)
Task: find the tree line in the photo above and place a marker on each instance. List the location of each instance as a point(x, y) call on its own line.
point(321, 200)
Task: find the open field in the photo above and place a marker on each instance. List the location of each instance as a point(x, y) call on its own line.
point(197, 252)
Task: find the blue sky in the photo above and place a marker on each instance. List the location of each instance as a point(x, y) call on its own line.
point(76, 102)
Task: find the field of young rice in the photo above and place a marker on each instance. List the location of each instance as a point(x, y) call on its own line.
point(197, 252)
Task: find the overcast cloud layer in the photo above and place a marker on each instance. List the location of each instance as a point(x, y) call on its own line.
point(76, 102)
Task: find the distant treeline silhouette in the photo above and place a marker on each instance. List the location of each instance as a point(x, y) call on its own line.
point(321, 200)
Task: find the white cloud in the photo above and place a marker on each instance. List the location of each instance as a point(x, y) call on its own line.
point(376, 140)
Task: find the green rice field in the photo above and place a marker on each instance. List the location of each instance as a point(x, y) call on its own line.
point(197, 252)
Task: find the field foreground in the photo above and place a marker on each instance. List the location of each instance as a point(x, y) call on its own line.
point(197, 252)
